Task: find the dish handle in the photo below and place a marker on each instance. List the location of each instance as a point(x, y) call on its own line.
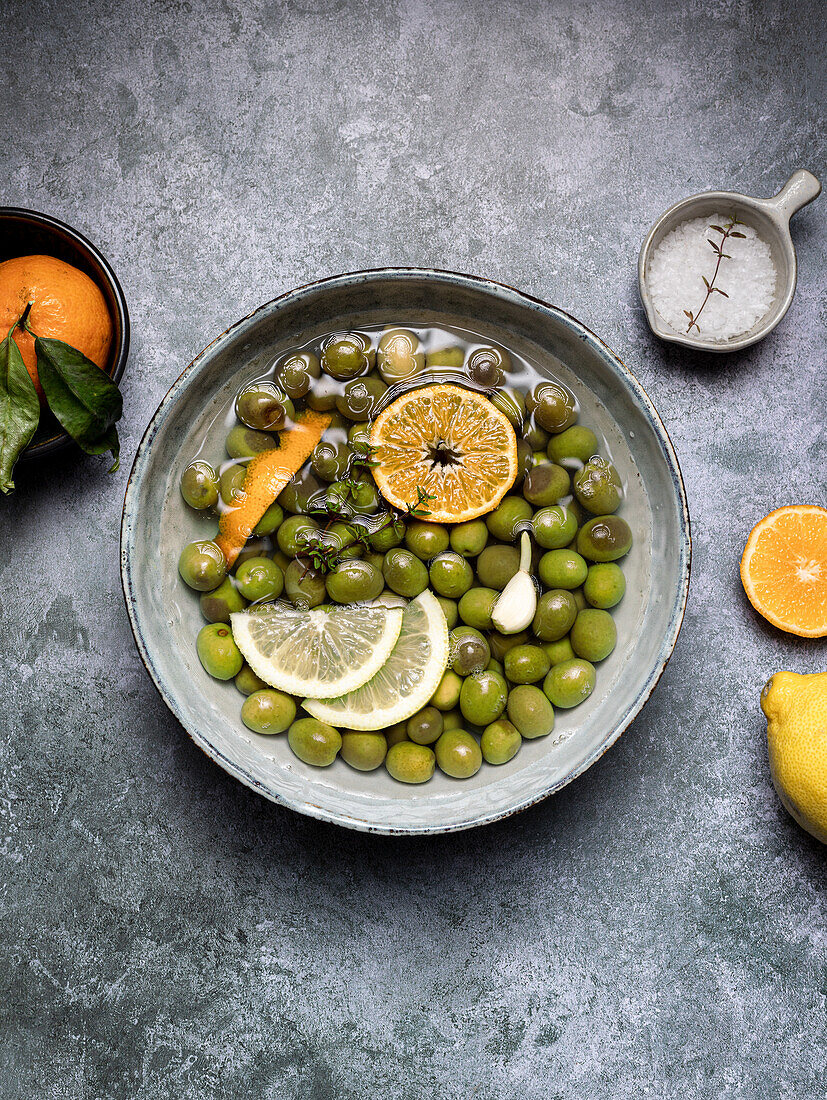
point(802, 187)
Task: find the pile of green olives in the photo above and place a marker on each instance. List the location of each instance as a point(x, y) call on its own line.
point(329, 538)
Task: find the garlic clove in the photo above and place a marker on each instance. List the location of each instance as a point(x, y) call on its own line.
point(516, 605)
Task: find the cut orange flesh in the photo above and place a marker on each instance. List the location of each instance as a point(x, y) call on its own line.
point(267, 474)
point(784, 569)
point(450, 442)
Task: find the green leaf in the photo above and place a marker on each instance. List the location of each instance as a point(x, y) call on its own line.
point(83, 398)
point(717, 228)
point(735, 234)
point(19, 409)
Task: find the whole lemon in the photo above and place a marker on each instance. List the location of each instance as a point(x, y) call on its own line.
point(796, 710)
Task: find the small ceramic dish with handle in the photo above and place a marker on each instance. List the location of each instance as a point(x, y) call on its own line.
point(770, 218)
point(165, 618)
point(29, 233)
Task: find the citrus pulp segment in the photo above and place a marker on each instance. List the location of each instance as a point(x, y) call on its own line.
point(450, 442)
point(324, 652)
point(404, 683)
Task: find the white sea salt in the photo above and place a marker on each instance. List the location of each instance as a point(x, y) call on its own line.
point(683, 258)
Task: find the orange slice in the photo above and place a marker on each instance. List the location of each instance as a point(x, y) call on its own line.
point(267, 474)
point(450, 442)
point(784, 569)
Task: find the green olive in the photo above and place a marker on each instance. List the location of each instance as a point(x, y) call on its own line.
point(221, 602)
point(361, 398)
point(202, 566)
point(450, 575)
point(483, 697)
point(314, 742)
point(604, 538)
point(458, 754)
point(509, 518)
point(469, 651)
point(199, 485)
point(447, 693)
point(555, 615)
point(545, 484)
point(295, 534)
point(559, 651)
point(554, 527)
point(426, 540)
point(410, 763)
point(576, 443)
point(496, 565)
point(231, 480)
point(562, 569)
point(395, 734)
point(502, 643)
point(488, 366)
point(449, 610)
point(594, 635)
point(500, 742)
point(244, 442)
point(247, 682)
point(526, 664)
point(570, 683)
point(346, 356)
point(303, 586)
point(399, 355)
point(598, 487)
point(363, 751)
point(405, 573)
point(268, 711)
point(387, 535)
point(511, 402)
point(322, 395)
point(217, 651)
point(451, 358)
point(476, 605)
point(354, 581)
point(605, 585)
point(263, 407)
point(330, 460)
point(536, 437)
point(270, 521)
point(530, 711)
point(297, 373)
point(469, 538)
point(259, 579)
point(552, 406)
point(425, 726)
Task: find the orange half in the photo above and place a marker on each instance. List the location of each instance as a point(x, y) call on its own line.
point(450, 442)
point(784, 569)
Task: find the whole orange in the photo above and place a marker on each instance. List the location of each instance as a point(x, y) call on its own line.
point(66, 305)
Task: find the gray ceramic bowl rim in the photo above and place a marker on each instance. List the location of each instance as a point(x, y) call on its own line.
point(129, 528)
point(62, 439)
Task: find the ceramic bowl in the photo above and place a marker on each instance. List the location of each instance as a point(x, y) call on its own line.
point(165, 615)
point(770, 218)
point(27, 233)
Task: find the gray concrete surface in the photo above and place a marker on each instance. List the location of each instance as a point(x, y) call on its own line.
point(658, 929)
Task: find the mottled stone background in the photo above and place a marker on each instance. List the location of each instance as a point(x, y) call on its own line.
point(657, 929)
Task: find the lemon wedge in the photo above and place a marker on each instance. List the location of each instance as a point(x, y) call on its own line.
point(404, 683)
point(324, 652)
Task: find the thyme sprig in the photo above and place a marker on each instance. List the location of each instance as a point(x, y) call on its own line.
point(324, 557)
point(718, 248)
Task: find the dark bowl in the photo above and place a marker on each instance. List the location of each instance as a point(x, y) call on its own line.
point(27, 233)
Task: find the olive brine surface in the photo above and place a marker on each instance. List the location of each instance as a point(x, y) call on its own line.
point(332, 538)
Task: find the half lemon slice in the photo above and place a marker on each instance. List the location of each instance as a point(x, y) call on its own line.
point(324, 652)
point(404, 683)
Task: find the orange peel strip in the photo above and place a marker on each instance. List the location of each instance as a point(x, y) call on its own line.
point(267, 474)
